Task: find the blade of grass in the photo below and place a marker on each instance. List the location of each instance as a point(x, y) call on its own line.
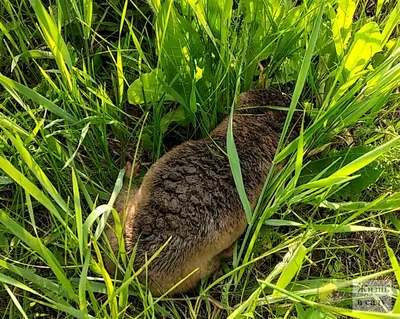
point(26, 184)
point(305, 66)
point(366, 159)
point(37, 171)
point(82, 137)
point(15, 301)
point(78, 214)
point(234, 161)
point(36, 97)
point(291, 268)
point(37, 246)
point(54, 40)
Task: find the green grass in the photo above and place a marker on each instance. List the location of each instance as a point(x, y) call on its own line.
point(86, 86)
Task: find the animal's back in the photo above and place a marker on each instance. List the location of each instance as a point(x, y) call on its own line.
point(189, 196)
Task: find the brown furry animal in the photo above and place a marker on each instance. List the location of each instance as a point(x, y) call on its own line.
point(189, 195)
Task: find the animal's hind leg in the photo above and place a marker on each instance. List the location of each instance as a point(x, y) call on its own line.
point(163, 282)
point(206, 269)
point(213, 265)
point(227, 253)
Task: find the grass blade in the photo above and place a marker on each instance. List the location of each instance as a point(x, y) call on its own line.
point(16, 302)
point(234, 161)
point(366, 159)
point(300, 81)
point(36, 97)
point(19, 178)
point(37, 171)
point(291, 268)
point(54, 40)
point(37, 246)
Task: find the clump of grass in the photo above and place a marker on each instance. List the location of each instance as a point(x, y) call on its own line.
point(71, 69)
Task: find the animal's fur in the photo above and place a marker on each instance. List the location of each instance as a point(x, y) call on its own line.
point(189, 195)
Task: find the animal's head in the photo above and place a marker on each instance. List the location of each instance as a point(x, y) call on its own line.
point(256, 101)
point(261, 97)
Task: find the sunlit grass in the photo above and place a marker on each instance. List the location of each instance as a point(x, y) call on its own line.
point(87, 85)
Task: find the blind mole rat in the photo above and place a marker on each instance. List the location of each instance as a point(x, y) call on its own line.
point(189, 195)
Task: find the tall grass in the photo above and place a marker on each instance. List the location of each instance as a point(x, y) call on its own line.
point(71, 69)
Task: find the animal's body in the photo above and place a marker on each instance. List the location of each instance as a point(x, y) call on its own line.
point(189, 195)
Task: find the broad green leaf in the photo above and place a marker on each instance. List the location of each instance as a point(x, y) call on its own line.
point(146, 89)
point(367, 42)
point(341, 25)
point(178, 45)
point(178, 116)
point(171, 42)
point(218, 16)
point(198, 9)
